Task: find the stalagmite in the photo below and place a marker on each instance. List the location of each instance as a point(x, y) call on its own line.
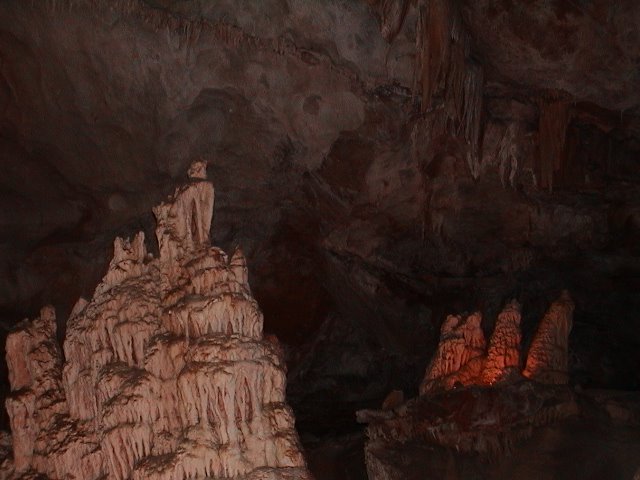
point(547, 361)
point(167, 374)
point(473, 398)
point(459, 356)
point(238, 266)
point(503, 355)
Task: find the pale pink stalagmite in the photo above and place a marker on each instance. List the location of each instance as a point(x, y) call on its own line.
point(459, 356)
point(45, 439)
point(167, 374)
point(503, 355)
point(547, 361)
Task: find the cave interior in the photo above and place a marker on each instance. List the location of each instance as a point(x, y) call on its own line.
point(382, 164)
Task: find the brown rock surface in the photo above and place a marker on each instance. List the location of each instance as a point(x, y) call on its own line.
point(503, 353)
point(524, 430)
point(460, 355)
point(548, 357)
point(167, 373)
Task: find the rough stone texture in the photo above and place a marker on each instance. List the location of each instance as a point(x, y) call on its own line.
point(167, 373)
point(463, 358)
point(496, 424)
point(503, 353)
point(548, 357)
point(460, 356)
point(524, 430)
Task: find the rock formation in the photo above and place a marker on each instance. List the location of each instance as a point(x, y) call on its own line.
point(474, 405)
point(503, 354)
point(460, 354)
point(461, 358)
point(548, 358)
point(167, 375)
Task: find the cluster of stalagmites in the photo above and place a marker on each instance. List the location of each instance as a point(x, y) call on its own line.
point(463, 358)
point(167, 374)
point(478, 396)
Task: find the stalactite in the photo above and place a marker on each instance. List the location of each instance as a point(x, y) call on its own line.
point(553, 122)
point(391, 14)
point(507, 155)
point(450, 84)
point(472, 113)
point(433, 38)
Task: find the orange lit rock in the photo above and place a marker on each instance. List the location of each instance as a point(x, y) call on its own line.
point(167, 373)
point(503, 354)
point(547, 361)
point(460, 354)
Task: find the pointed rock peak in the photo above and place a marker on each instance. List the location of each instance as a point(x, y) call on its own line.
point(548, 358)
point(238, 257)
point(565, 297)
point(474, 320)
point(79, 307)
point(198, 170)
point(132, 250)
point(512, 305)
point(46, 322)
point(450, 323)
point(238, 265)
point(184, 219)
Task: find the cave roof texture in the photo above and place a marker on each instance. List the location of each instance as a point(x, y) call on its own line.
point(364, 220)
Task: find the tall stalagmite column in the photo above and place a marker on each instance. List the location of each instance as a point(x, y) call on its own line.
point(503, 354)
point(548, 358)
point(167, 373)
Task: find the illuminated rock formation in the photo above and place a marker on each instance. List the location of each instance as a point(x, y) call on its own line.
point(475, 405)
point(503, 354)
point(547, 361)
point(167, 373)
point(461, 358)
point(460, 354)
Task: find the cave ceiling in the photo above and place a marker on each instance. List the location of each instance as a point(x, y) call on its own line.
point(361, 230)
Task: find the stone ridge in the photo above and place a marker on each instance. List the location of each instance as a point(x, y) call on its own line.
point(167, 374)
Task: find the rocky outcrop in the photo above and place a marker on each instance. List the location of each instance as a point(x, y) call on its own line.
point(524, 430)
point(167, 374)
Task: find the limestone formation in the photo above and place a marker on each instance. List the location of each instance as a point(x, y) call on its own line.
point(476, 422)
point(462, 357)
point(503, 354)
point(167, 374)
point(459, 356)
point(474, 399)
point(547, 361)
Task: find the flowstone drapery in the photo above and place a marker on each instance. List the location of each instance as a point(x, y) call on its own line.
point(167, 374)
